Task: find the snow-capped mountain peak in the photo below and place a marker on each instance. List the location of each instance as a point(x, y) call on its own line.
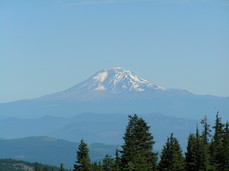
point(119, 80)
point(113, 82)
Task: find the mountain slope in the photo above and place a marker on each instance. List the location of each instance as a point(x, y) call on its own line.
point(50, 151)
point(118, 91)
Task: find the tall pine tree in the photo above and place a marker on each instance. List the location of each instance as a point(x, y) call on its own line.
point(117, 161)
point(205, 136)
point(109, 163)
point(216, 146)
point(36, 167)
point(206, 133)
point(137, 152)
point(190, 155)
point(226, 147)
point(62, 167)
point(83, 162)
point(195, 153)
point(171, 157)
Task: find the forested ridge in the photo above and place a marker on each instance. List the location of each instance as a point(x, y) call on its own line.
point(207, 150)
point(19, 165)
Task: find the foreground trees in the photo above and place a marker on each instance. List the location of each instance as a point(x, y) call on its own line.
point(138, 145)
point(219, 146)
point(204, 155)
point(205, 152)
point(195, 155)
point(83, 162)
point(171, 157)
point(136, 153)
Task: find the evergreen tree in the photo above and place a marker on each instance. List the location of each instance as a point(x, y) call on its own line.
point(216, 146)
point(206, 133)
point(137, 152)
point(45, 168)
point(97, 166)
point(83, 162)
point(190, 155)
point(195, 153)
point(62, 167)
point(199, 151)
point(225, 154)
point(108, 163)
point(205, 136)
point(117, 160)
point(171, 157)
point(37, 167)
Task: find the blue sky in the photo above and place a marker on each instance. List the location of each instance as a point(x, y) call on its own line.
point(50, 45)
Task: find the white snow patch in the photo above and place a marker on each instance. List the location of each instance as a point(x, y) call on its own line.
point(136, 86)
point(101, 76)
point(117, 68)
point(135, 78)
point(140, 89)
point(124, 86)
point(117, 78)
point(161, 88)
point(100, 87)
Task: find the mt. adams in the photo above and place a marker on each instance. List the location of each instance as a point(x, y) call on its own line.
point(113, 83)
point(118, 91)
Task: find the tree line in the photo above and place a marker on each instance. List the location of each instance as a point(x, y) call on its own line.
point(41, 167)
point(207, 150)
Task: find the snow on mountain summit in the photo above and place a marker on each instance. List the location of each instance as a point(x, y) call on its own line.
point(118, 80)
point(113, 82)
point(101, 76)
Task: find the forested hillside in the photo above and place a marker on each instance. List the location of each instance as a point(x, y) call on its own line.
point(48, 150)
point(19, 165)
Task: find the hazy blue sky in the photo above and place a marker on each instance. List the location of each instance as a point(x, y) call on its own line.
point(50, 45)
